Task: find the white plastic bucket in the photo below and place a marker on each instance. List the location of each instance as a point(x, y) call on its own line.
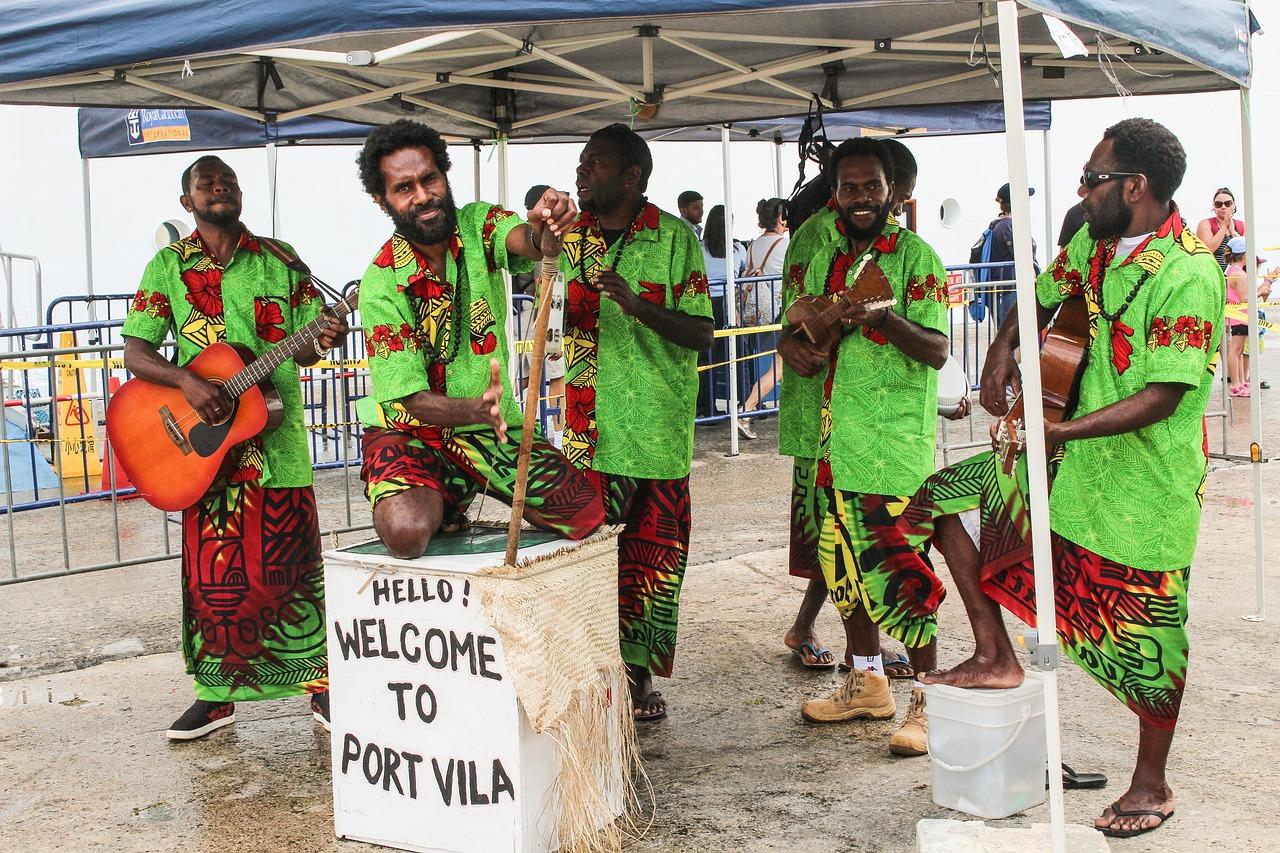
point(987, 748)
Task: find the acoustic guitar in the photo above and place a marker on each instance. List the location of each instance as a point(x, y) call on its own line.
point(1062, 359)
point(816, 318)
point(170, 454)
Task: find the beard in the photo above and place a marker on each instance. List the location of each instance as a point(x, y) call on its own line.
point(1110, 218)
point(437, 230)
point(220, 215)
point(604, 200)
point(856, 233)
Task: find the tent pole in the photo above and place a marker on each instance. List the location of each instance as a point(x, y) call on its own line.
point(1050, 238)
point(88, 237)
point(1255, 400)
point(777, 166)
point(1045, 657)
point(475, 146)
point(502, 172)
point(730, 291)
point(272, 195)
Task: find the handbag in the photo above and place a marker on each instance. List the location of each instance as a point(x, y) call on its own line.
point(748, 308)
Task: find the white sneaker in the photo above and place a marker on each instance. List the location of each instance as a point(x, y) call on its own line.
point(745, 430)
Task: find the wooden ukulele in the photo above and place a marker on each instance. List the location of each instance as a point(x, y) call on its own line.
point(1063, 353)
point(816, 318)
point(170, 454)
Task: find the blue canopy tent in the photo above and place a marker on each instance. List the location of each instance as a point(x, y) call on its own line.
point(483, 69)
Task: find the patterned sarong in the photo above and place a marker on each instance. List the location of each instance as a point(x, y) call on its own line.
point(253, 594)
point(868, 563)
point(1126, 627)
point(653, 550)
point(558, 497)
point(806, 521)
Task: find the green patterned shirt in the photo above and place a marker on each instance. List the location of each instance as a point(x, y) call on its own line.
point(878, 417)
point(1135, 498)
point(255, 300)
point(800, 398)
point(423, 333)
point(629, 392)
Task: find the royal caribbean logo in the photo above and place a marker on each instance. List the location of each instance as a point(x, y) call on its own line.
point(143, 126)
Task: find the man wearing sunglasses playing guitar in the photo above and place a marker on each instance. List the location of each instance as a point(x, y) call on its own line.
point(1127, 491)
point(878, 423)
point(253, 583)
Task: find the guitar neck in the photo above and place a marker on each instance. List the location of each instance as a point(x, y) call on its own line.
point(301, 341)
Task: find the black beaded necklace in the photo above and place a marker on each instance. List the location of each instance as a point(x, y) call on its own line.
point(619, 246)
point(454, 320)
point(1102, 261)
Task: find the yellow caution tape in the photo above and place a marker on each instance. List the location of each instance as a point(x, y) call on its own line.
point(1237, 314)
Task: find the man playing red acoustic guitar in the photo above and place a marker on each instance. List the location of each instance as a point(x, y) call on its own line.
point(253, 583)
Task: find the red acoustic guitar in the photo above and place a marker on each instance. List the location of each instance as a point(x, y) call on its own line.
point(1062, 360)
point(168, 452)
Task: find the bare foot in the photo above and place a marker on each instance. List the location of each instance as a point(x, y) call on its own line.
point(989, 673)
point(1133, 803)
point(812, 653)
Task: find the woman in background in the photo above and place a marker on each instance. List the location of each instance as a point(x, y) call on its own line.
point(761, 302)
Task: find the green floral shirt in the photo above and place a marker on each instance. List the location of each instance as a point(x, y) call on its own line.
point(629, 392)
point(255, 300)
point(799, 397)
point(878, 414)
point(1135, 498)
point(423, 333)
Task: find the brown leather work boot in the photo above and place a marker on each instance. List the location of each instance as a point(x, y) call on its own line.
point(912, 737)
point(863, 694)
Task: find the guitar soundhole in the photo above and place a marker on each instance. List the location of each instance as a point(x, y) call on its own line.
point(206, 439)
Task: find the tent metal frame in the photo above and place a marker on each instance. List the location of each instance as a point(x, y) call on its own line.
point(596, 90)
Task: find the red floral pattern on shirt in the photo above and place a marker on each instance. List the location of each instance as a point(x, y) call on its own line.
point(386, 339)
point(204, 290)
point(1185, 332)
point(920, 288)
point(269, 319)
point(154, 303)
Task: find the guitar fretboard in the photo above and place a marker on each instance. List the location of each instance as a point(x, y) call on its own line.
point(303, 340)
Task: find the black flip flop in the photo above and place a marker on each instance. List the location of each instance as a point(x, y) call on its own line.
point(1073, 781)
point(650, 717)
point(1117, 812)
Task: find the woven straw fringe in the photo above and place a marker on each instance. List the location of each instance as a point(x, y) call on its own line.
point(559, 632)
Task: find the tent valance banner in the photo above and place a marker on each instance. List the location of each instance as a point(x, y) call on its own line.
point(127, 133)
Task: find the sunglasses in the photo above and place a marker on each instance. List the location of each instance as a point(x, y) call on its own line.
point(1092, 178)
point(1227, 203)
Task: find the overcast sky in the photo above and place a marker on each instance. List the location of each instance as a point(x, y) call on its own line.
point(338, 230)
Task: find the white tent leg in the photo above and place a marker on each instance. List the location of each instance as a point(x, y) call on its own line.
point(777, 166)
point(502, 173)
point(1046, 652)
point(1255, 401)
point(1050, 234)
point(730, 291)
point(88, 238)
point(475, 146)
point(273, 198)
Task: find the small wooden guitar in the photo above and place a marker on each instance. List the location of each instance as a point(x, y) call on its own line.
point(816, 318)
point(170, 454)
point(1063, 353)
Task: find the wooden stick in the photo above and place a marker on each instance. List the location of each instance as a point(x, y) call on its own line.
point(548, 271)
